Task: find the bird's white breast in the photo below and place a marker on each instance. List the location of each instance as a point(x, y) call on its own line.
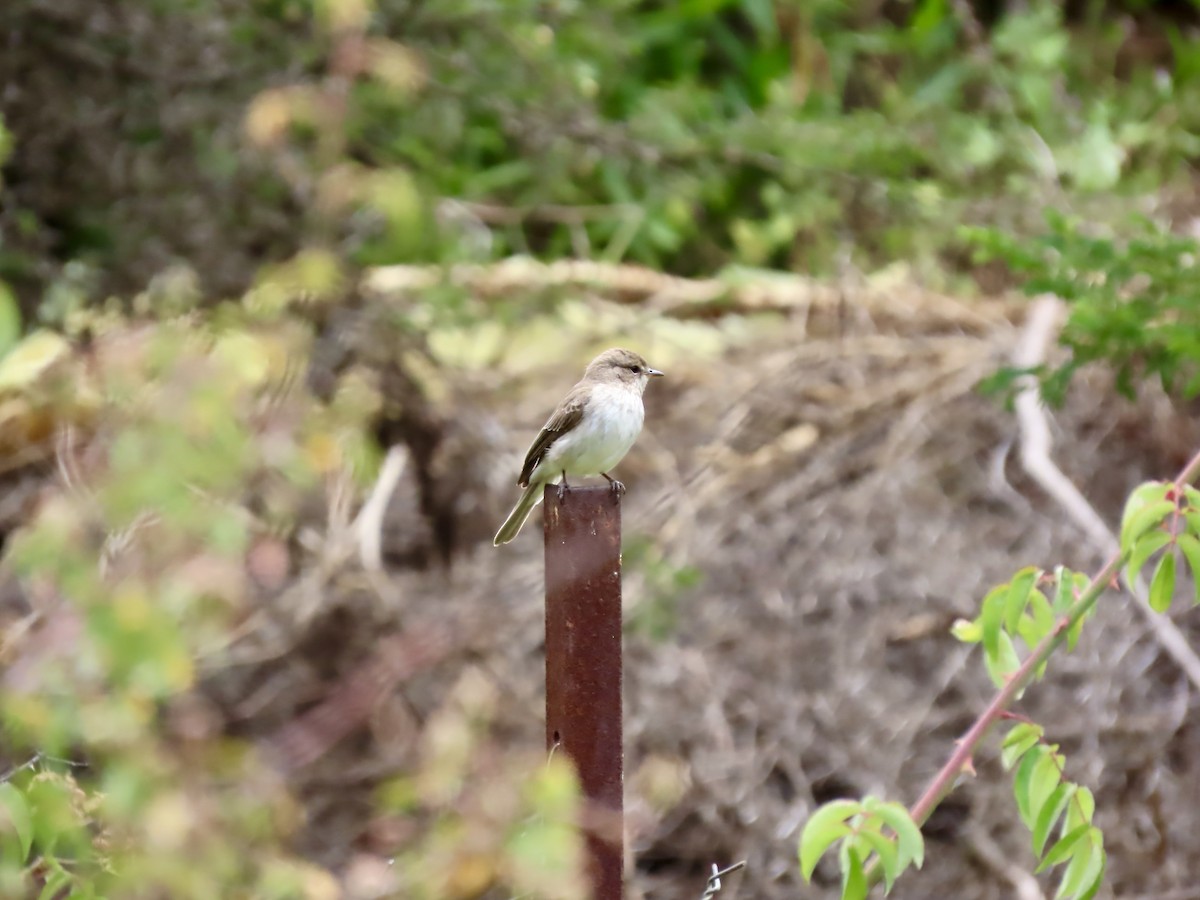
point(611, 423)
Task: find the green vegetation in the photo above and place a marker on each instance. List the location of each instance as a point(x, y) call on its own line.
point(1134, 300)
point(1161, 519)
point(689, 136)
point(265, 154)
point(775, 134)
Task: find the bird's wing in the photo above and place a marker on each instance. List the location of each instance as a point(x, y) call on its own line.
point(566, 417)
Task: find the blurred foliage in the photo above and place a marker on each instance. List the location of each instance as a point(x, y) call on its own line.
point(772, 134)
point(1134, 300)
point(161, 157)
point(144, 563)
point(688, 136)
point(124, 781)
point(497, 819)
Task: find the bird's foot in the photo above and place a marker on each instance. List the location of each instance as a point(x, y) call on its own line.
point(563, 487)
point(617, 487)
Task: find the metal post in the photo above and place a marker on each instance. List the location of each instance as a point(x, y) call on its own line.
point(583, 661)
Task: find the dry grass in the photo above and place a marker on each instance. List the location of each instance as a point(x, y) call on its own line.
point(844, 495)
point(844, 498)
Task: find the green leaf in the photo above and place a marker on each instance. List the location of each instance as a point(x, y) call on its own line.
point(1041, 613)
point(1037, 626)
point(1143, 550)
point(1064, 593)
point(1086, 866)
point(854, 881)
point(1022, 778)
point(1081, 810)
point(896, 817)
point(1063, 848)
point(1191, 552)
point(1051, 810)
point(825, 826)
point(1162, 588)
point(889, 855)
point(1142, 521)
point(991, 617)
point(1143, 496)
point(1192, 517)
point(1018, 596)
point(1091, 892)
point(1038, 622)
point(1019, 739)
point(967, 632)
point(1192, 495)
point(17, 808)
point(1043, 781)
point(1005, 662)
point(1080, 858)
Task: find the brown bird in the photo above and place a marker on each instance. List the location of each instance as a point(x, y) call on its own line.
point(589, 433)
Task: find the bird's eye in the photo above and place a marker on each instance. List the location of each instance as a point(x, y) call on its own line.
point(635, 369)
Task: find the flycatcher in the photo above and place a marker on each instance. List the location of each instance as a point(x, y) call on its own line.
point(590, 432)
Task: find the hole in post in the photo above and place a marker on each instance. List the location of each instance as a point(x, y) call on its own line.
point(557, 737)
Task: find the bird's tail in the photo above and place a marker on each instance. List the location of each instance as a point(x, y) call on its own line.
point(520, 513)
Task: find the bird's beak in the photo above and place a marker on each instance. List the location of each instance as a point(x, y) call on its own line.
point(655, 373)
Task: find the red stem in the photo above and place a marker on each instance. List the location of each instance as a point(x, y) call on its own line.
point(943, 781)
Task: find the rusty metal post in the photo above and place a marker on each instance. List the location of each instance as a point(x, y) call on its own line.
point(583, 662)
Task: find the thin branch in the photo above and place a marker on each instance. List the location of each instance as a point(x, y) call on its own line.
point(28, 764)
point(734, 291)
point(552, 213)
point(37, 758)
point(1036, 445)
point(369, 525)
point(944, 780)
point(714, 880)
point(960, 759)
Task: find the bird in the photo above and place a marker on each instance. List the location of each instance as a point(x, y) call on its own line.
point(588, 434)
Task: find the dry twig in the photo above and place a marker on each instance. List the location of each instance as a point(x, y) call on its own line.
point(714, 880)
point(369, 524)
point(687, 297)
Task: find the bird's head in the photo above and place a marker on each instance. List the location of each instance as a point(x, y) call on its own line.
point(622, 367)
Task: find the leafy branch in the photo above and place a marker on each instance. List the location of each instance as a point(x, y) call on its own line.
point(1133, 300)
point(1043, 796)
point(1159, 518)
